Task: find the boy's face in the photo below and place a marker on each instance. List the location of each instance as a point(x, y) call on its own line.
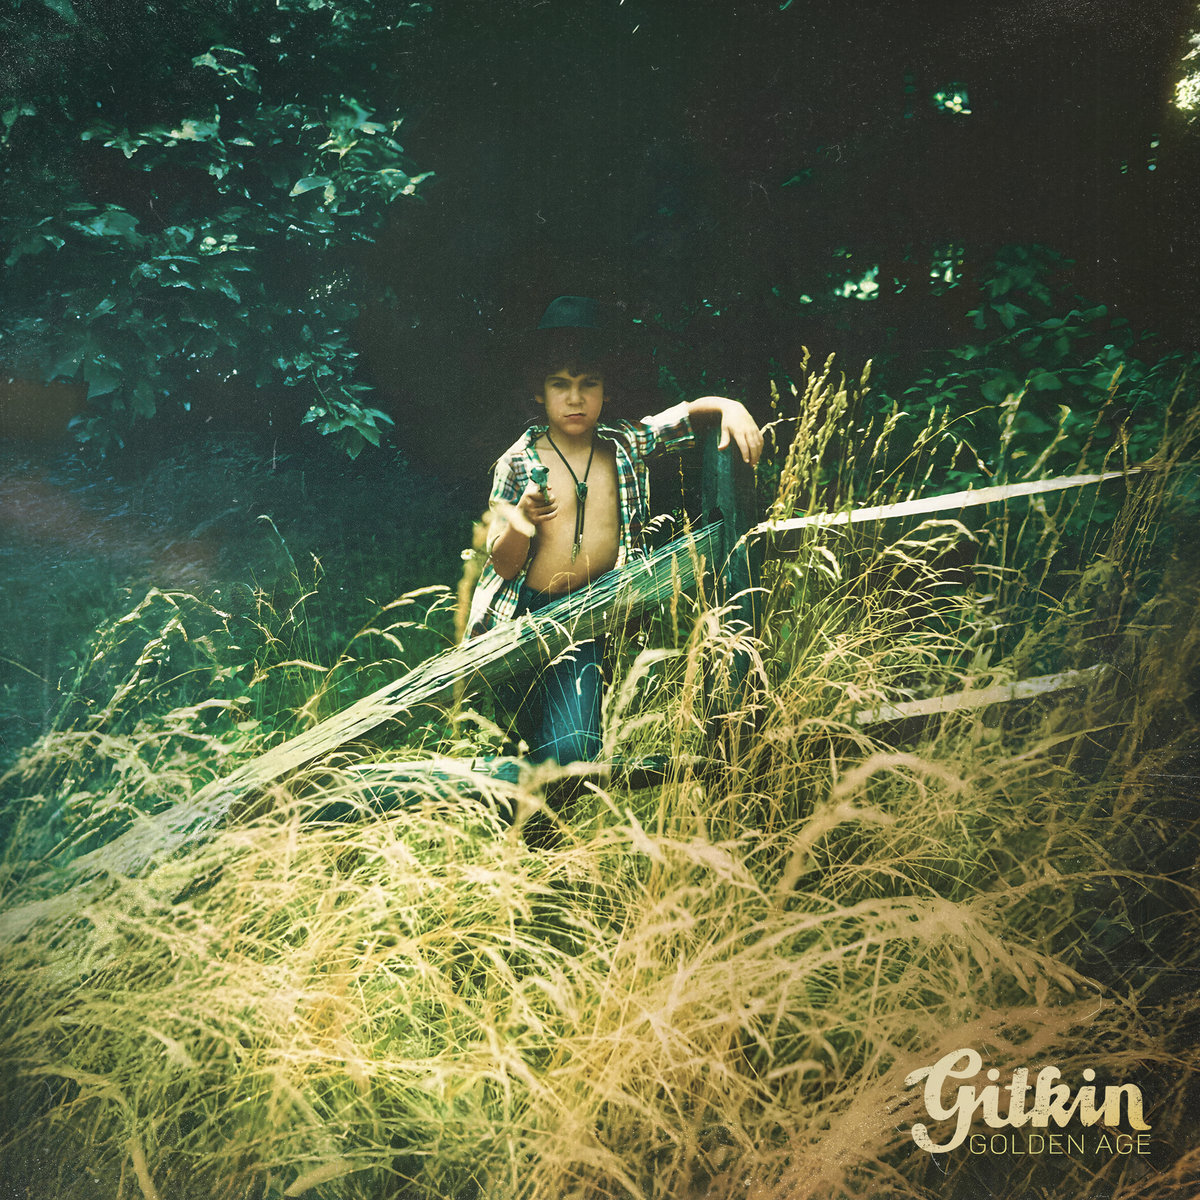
point(572, 402)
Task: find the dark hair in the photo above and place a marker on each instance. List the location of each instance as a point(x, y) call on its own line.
point(577, 351)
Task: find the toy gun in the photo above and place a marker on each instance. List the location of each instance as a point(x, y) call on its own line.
point(541, 476)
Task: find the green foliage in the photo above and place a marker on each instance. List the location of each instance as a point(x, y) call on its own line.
point(1065, 374)
point(189, 518)
point(182, 688)
point(184, 197)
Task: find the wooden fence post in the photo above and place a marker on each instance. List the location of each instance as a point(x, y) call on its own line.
point(729, 497)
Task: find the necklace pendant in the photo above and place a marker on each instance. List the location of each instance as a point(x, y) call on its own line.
point(581, 490)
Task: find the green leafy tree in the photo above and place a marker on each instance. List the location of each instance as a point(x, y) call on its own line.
point(1050, 384)
point(186, 187)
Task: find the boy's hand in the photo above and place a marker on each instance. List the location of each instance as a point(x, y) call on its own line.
point(535, 507)
point(737, 425)
point(508, 552)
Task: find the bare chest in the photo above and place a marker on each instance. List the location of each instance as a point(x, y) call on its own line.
point(582, 540)
point(579, 483)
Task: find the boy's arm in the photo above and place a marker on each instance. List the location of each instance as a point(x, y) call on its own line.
point(737, 425)
point(509, 549)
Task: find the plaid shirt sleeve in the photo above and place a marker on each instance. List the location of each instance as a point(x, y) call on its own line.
point(495, 598)
point(510, 479)
point(661, 433)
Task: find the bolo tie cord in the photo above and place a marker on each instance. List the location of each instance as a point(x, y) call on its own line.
point(581, 489)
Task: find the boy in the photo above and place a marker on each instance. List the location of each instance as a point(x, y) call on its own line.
point(551, 538)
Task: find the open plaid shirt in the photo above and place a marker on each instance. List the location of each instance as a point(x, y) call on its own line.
point(495, 599)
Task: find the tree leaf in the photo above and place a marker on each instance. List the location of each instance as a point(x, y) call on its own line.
point(64, 9)
point(196, 130)
point(112, 222)
point(1008, 314)
point(101, 378)
point(309, 184)
point(143, 398)
point(996, 388)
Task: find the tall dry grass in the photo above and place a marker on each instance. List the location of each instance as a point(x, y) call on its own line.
point(713, 988)
point(181, 689)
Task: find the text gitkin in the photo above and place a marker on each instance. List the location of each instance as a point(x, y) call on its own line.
point(1052, 1103)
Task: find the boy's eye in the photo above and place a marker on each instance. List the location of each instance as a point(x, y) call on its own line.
point(557, 385)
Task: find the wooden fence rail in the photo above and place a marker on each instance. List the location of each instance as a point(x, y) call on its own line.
point(617, 598)
point(484, 661)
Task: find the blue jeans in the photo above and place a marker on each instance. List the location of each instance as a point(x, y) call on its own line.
point(557, 712)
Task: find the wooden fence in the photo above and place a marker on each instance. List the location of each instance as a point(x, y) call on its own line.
point(724, 548)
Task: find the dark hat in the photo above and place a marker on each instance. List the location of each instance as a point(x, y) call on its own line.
point(586, 331)
point(573, 329)
point(571, 312)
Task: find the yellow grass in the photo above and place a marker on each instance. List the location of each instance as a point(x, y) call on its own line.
point(711, 989)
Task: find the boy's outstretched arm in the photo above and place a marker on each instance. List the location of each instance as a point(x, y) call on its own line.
point(737, 425)
point(519, 522)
